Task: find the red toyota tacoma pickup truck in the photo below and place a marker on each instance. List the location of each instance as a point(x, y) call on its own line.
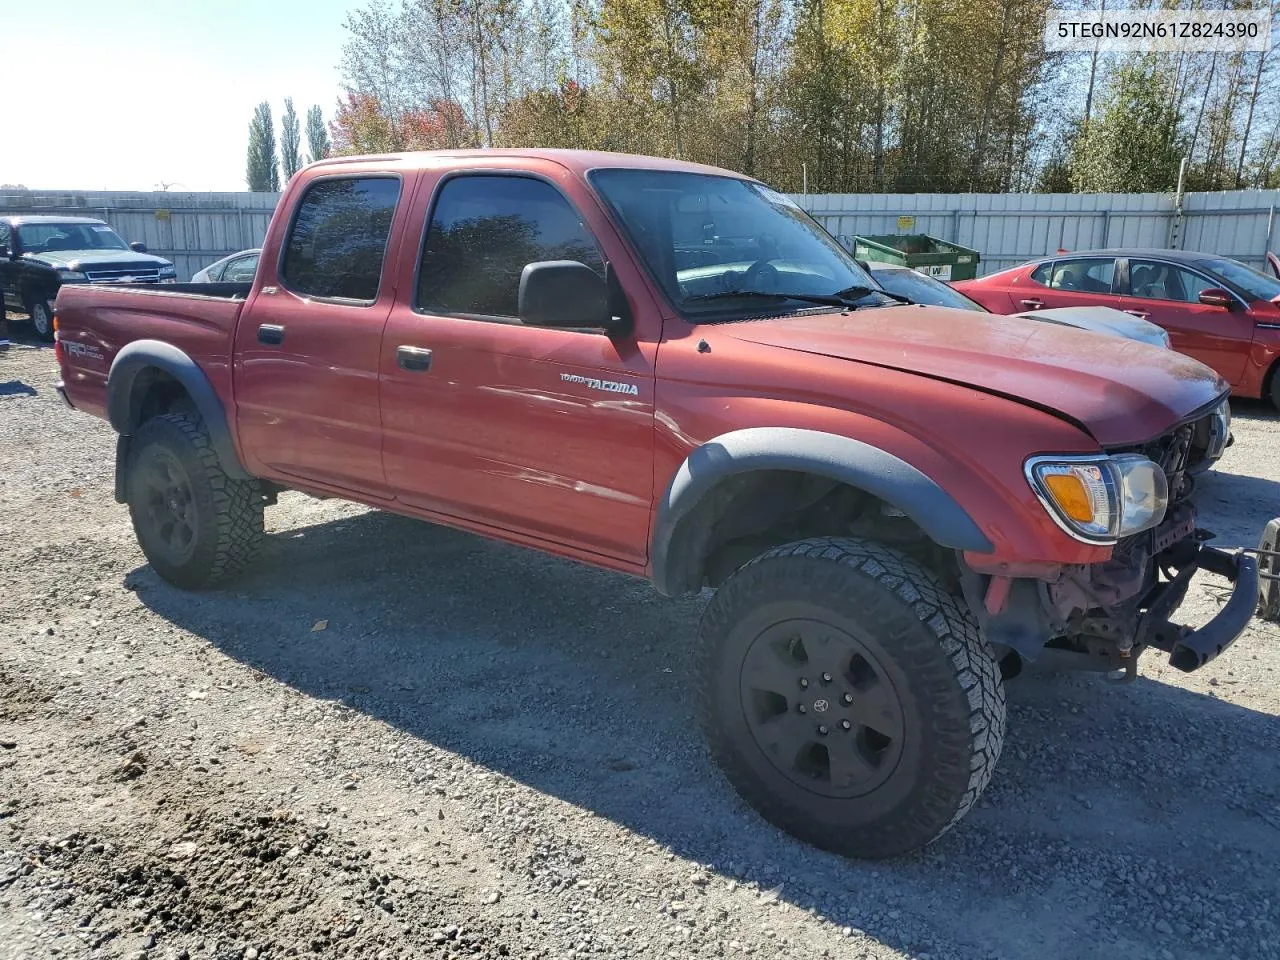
point(671, 371)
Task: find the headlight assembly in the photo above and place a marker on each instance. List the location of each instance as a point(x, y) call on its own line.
point(1219, 430)
point(1099, 499)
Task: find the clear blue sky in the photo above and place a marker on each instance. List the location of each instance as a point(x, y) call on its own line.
point(122, 96)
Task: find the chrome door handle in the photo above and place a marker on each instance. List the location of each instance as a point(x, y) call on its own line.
point(272, 334)
point(416, 359)
point(1140, 314)
point(1032, 303)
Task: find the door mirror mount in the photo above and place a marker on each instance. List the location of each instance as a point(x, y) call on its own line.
point(138, 246)
point(570, 295)
point(1217, 297)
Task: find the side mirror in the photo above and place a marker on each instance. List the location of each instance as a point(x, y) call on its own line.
point(566, 294)
point(1217, 297)
point(138, 246)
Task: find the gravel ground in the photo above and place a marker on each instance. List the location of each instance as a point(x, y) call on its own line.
point(400, 741)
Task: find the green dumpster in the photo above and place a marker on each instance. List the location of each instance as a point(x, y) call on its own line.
point(921, 252)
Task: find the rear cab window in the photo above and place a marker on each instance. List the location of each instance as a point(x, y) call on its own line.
point(337, 242)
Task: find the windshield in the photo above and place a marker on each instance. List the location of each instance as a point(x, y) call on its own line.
point(56, 237)
point(706, 237)
point(1257, 285)
point(921, 289)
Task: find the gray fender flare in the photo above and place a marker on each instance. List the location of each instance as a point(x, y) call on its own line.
point(838, 458)
point(124, 406)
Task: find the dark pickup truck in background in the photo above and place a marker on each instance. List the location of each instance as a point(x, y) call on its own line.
point(39, 254)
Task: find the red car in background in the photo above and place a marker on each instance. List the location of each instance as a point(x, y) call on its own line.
point(1217, 310)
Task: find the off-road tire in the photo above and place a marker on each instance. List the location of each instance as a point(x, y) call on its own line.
point(41, 314)
point(227, 521)
point(941, 670)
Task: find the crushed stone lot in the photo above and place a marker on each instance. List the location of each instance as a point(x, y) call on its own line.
point(394, 740)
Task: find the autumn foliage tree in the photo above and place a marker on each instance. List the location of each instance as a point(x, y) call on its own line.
point(848, 95)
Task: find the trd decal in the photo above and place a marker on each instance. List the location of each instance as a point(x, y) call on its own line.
point(81, 350)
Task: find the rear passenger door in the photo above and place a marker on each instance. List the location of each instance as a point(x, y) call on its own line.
point(543, 433)
point(306, 350)
point(1072, 282)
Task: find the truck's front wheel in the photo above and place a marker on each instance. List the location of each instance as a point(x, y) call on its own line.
point(848, 697)
point(197, 526)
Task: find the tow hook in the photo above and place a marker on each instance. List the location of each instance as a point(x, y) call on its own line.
point(1126, 674)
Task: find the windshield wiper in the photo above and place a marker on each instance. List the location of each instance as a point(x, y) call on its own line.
point(857, 293)
point(831, 301)
point(847, 298)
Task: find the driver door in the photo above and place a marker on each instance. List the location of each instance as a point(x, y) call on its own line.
point(544, 433)
point(1169, 295)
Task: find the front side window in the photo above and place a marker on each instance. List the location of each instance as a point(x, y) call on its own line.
point(1091, 275)
point(484, 230)
point(1153, 280)
point(720, 244)
point(338, 240)
point(1257, 285)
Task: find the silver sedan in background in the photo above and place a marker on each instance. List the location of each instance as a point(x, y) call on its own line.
point(237, 268)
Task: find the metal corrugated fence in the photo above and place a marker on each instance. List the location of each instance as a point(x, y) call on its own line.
point(1007, 229)
point(194, 229)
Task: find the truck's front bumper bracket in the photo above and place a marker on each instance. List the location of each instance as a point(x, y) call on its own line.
point(1189, 649)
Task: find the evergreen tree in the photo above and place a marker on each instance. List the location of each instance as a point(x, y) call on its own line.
point(262, 173)
point(290, 141)
point(318, 145)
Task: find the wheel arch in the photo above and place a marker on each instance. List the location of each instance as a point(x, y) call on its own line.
point(145, 378)
point(696, 495)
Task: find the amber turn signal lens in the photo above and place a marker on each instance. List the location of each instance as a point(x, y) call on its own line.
point(1070, 495)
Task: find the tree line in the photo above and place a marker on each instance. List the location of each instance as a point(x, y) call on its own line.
point(265, 164)
point(828, 95)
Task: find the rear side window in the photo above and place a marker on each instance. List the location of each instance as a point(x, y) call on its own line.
point(483, 231)
point(338, 240)
point(1092, 275)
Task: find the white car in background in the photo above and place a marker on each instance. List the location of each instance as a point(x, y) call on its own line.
point(237, 268)
point(919, 288)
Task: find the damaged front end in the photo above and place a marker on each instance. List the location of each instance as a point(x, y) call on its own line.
point(1101, 616)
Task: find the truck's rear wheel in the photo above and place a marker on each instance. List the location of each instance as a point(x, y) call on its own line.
point(197, 526)
point(41, 316)
point(848, 697)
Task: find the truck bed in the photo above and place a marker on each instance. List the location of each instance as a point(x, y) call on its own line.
point(95, 322)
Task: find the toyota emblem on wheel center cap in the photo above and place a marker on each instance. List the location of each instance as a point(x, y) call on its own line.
point(820, 706)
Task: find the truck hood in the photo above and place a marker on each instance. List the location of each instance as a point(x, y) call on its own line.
point(88, 259)
point(1121, 391)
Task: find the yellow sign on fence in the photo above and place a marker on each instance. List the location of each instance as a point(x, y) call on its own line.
point(906, 223)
